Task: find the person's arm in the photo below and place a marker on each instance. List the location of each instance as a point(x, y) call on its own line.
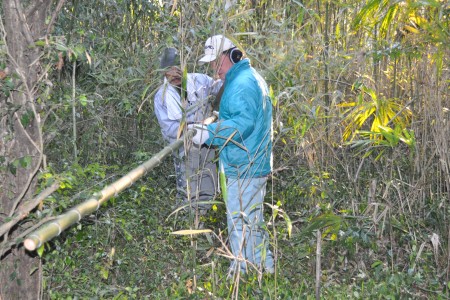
point(212, 86)
point(170, 130)
point(168, 112)
point(240, 124)
point(200, 87)
point(172, 100)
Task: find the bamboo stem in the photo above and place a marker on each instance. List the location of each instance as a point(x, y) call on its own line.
point(54, 228)
point(74, 112)
point(318, 263)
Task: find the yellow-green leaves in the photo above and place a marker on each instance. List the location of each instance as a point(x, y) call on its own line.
point(83, 99)
point(223, 183)
point(276, 210)
point(40, 250)
point(373, 120)
point(373, 113)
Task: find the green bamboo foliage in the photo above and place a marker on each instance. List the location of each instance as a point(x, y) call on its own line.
point(54, 228)
point(399, 18)
point(374, 114)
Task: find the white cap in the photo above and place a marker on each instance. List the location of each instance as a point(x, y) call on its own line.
point(214, 46)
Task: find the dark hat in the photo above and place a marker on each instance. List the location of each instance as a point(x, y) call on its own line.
point(169, 58)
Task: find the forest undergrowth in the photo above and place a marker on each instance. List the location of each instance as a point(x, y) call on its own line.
point(127, 250)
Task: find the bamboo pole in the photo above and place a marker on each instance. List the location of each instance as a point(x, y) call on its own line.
point(54, 228)
point(318, 263)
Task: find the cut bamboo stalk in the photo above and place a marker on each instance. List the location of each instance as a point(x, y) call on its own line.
point(54, 228)
point(318, 263)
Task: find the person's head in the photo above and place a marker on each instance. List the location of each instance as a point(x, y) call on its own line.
point(169, 62)
point(221, 53)
point(174, 75)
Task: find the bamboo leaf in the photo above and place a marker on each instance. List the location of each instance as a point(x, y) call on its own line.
point(61, 47)
point(411, 29)
point(376, 264)
point(347, 104)
point(223, 183)
point(360, 143)
point(104, 273)
point(366, 11)
point(184, 80)
point(25, 161)
point(230, 139)
point(380, 155)
point(387, 20)
point(191, 231)
point(83, 100)
point(389, 134)
point(417, 20)
point(408, 137)
point(324, 220)
point(40, 250)
point(144, 92)
point(40, 43)
point(277, 210)
point(371, 93)
point(272, 96)
point(88, 58)
point(128, 235)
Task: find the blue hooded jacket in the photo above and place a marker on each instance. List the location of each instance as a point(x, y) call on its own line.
point(243, 132)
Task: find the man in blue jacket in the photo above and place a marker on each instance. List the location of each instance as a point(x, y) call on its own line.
point(243, 135)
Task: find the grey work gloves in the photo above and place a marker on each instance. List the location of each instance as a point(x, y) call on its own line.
point(201, 133)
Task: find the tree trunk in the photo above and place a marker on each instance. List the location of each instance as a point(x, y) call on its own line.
point(20, 141)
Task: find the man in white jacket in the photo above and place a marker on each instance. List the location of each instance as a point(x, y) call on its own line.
point(194, 165)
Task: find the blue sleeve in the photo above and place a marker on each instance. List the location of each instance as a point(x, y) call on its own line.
point(240, 122)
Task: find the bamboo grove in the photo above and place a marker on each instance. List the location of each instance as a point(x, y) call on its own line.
point(361, 106)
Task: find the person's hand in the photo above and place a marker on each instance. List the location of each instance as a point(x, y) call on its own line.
point(211, 119)
point(201, 133)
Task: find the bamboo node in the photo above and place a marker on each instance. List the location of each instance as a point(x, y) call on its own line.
point(59, 227)
point(130, 179)
point(79, 214)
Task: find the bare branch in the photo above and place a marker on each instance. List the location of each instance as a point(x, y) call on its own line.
point(54, 15)
point(36, 169)
point(31, 10)
point(27, 207)
point(26, 31)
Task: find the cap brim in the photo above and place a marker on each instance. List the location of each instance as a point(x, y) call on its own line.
point(207, 58)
